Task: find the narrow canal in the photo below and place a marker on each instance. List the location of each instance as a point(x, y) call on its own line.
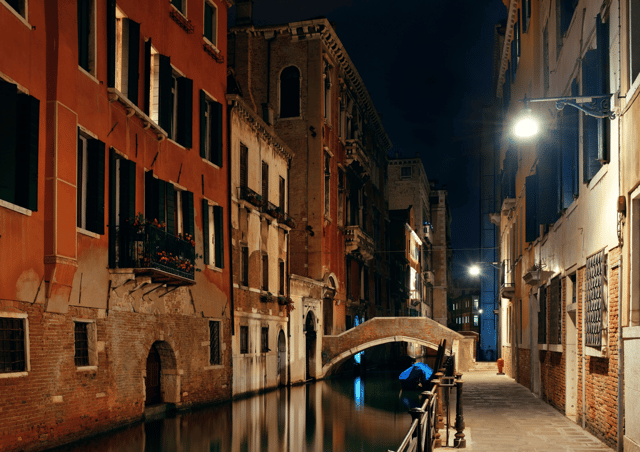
point(366, 413)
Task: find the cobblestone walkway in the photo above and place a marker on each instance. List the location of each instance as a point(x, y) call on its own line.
point(501, 415)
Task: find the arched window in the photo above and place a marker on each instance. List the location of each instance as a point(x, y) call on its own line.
point(290, 92)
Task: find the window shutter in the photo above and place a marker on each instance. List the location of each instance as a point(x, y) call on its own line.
point(206, 239)
point(542, 316)
point(187, 212)
point(203, 124)
point(134, 60)
point(531, 212)
point(127, 190)
point(244, 174)
point(162, 200)
point(147, 76)
point(265, 182)
point(95, 186)
point(27, 151)
point(555, 312)
point(602, 34)
point(111, 43)
point(216, 125)
point(164, 83)
point(218, 217)
point(548, 182)
point(208, 21)
point(8, 138)
point(113, 234)
point(83, 33)
point(592, 139)
point(185, 112)
point(171, 209)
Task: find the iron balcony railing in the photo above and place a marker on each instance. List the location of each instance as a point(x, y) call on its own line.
point(246, 194)
point(506, 274)
point(149, 247)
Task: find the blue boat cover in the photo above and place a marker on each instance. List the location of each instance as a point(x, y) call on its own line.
point(416, 371)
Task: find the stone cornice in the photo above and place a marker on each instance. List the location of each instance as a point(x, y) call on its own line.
point(322, 29)
point(259, 126)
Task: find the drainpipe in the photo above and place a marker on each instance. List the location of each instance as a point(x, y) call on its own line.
point(620, 425)
point(229, 186)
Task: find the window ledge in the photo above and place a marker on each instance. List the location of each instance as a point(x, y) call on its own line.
point(82, 231)
point(595, 353)
point(555, 348)
point(133, 109)
point(631, 332)
point(214, 268)
point(209, 162)
point(177, 144)
point(14, 375)
point(89, 74)
point(290, 118)
point(599, 176)
point(87, 369)
point(15, 13)
point(15, 208)
point(214, 367)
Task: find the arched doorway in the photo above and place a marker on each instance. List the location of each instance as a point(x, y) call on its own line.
point(282, 359)
point(310, 333)
point(152, 382)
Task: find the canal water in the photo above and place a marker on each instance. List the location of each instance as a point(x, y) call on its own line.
point(367, 413)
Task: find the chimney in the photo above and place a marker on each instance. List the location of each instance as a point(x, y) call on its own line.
point(244, 12)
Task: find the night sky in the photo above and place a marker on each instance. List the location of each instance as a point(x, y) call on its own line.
point(427, 67)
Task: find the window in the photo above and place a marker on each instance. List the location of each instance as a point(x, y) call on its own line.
point(264, 339)
point(634, 40)
point(213, 238)
point(526, 15)
point(244, 166)
point(326, 78)
point(211, 22)
point(564, 14)
point(86, 35)
point(555, 311)
point(244, 339)
point(81, 341)
point(341, 190)
point(90, 184)
point(12, 345)
point(244, 267)
point(515, 49)
point(127, 56)
point(475, 320)
point(210, 129)
point(281, 274)
point(214, 342)
point(171, 99)
point(265, 272)
point(19, 129)
point(405, 172)
point(180, 5)
point(170, 205)
point(282, 194)
point(595, 280)
point(290, 92)
point(378, 289)
point(19, 6)
point(265, 181)
point(542, 316)
point(122, 204)
point(327, 184)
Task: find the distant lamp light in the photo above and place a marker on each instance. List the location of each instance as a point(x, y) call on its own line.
point(526, 125)
point(480, 311)
point(474, 270)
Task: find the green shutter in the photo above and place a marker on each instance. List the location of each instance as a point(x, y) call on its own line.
point(128, 190)
point(150, 196)
point(171, 209)
point(113, 234)
point(83, 33)
point(187, 212)
point(27, 152)
point(95, 186)
point(532, 229)
point(8, 138)
point(134, 60)
point(147, 76)
point(216, 125)
point(162, 197)
point(208, 21)
point(218, 219)
point(185, 112)
point(111, 43)
point(165, 80)
point(203, 123)
point(592, 138)
point(205, 232)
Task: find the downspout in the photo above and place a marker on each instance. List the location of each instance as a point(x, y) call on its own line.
point(515, 340)
point(229, 186)
point(288, 281)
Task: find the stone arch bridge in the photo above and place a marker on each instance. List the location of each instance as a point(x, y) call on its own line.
point(382, 330)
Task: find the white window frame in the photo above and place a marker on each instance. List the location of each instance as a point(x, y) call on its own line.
point(214, 25)
point(208, 152)
point(634, 283)
point(27, 354)
point(154, 95)
point(122, 56)
point(184, 7)
point(81, 185)
point(93, 57)
point(25, 5)
point(208, 345)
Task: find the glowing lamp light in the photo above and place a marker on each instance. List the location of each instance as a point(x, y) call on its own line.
point(474, 271)
point(526, 125)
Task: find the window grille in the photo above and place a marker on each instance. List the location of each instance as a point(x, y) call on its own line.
point(214, 342)
point(594, 299)
point(12, 353)
point(244, 339)
point(555, 311)
point(81, 344)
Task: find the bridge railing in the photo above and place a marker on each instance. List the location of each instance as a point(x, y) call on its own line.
point(434, 414)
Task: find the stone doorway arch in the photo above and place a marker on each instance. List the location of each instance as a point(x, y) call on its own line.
point(310, 334)
point(282, 359)
point(162, 379)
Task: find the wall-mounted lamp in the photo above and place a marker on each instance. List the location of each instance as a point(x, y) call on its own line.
point(527, 125)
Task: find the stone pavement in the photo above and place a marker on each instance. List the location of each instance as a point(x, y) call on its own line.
point(501, 415)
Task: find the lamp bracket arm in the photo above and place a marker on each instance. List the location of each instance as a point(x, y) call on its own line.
point(597, 106)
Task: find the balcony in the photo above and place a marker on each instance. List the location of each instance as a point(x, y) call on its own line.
point(429, 277)
point(357, 158)
point(507, 283)
point(428, 232)
point(148, 249)
point(359, 243)
point(276, 213)
point(248, 196)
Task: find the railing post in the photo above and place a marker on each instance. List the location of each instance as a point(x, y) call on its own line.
point(418, 413)
point(438, 421)
point(460, 442)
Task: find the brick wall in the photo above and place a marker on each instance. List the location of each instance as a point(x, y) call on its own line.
point(552, 375)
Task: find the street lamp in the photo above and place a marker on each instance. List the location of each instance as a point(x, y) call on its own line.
point(527, 125)
point(474, 270)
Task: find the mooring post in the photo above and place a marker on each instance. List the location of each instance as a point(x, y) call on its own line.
point(418, 413)
point(460, 442)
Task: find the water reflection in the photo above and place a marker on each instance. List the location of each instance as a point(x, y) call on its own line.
point(363, 413)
